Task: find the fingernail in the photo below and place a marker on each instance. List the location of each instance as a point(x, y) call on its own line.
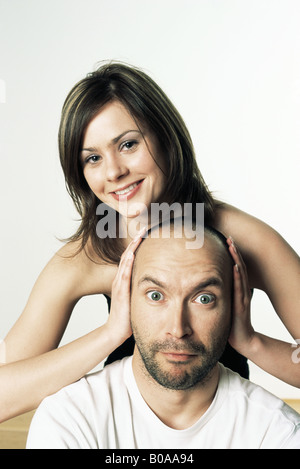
point(233, 244)
point(142, 231)
point(140, 234)
point(237, 268)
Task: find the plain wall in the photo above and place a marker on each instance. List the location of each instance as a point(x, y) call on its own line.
point(231, 67)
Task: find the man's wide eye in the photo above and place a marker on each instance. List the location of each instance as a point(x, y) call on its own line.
point(205, 299)
point(154, 295)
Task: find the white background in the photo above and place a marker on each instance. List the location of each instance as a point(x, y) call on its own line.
point(232, 67)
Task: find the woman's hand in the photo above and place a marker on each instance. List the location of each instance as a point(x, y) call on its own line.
point(119, 318)
point(242, 332)
point(272, 355)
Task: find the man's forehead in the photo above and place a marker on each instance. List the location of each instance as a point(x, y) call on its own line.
point(171, 255)
point(170, 279)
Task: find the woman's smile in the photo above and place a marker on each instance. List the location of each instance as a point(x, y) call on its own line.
point(127, 192)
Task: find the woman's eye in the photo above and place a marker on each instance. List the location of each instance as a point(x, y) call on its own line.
point(155, 296)
point(205, 299)
point(92, 159)
point(129, 145)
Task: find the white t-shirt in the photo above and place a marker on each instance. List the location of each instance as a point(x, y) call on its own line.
point(106, 410)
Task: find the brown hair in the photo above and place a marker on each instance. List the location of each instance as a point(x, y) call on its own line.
point(151, 109)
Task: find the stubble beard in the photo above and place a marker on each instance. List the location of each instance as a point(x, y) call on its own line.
point(180, 375)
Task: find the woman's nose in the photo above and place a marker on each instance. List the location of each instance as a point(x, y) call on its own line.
point(115, 168)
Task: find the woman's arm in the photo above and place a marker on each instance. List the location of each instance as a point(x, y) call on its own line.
point(25, 383)
point(272, 355)
point(64, 280)
point(275, 357)
point(33, 370)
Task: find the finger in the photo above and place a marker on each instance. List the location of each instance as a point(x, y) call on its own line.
point(242, 289)
point(127, 258)
point(138, 238)
point(233, 249)
point(133, 245)
point(121, 284)
point(238, 296)
point(237, 258)
point(125, 274)
point(131, 248)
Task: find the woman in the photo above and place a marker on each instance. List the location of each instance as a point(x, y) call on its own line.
point(123, 143)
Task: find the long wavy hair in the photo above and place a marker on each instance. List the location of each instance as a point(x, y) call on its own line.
point(151, 109)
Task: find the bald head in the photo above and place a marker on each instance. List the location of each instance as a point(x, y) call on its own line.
point(159, 247)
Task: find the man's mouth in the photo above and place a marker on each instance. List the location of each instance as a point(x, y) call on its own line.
point(179, 356)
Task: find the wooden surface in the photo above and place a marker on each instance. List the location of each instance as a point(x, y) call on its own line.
point(13, 433)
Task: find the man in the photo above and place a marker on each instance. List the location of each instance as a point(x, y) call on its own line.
point(172, 393)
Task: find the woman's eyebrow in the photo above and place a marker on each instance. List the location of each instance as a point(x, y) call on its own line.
point(113, 141)
point(89, 149)
point(116, 139)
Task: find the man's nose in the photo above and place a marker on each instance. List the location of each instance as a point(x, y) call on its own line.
point(115, 168)
point(179, 322)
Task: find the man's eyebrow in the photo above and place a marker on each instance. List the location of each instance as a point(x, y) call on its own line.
point(211, 281)
point(149, 279)
point(113, 141)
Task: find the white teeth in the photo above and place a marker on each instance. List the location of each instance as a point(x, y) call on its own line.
point(128, 189)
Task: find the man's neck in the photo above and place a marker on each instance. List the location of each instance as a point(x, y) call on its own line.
point(176, 409)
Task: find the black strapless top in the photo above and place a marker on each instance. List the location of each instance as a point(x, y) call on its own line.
point(230, 358)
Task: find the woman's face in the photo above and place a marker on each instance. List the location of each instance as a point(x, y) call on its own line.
point(117, 161)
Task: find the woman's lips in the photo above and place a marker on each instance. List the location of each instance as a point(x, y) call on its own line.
point(127, 192)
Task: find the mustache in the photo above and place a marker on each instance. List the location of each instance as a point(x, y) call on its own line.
point(178, 346)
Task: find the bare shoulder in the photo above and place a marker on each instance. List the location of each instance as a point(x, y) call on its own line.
point(232, 221)
point(81, 270)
